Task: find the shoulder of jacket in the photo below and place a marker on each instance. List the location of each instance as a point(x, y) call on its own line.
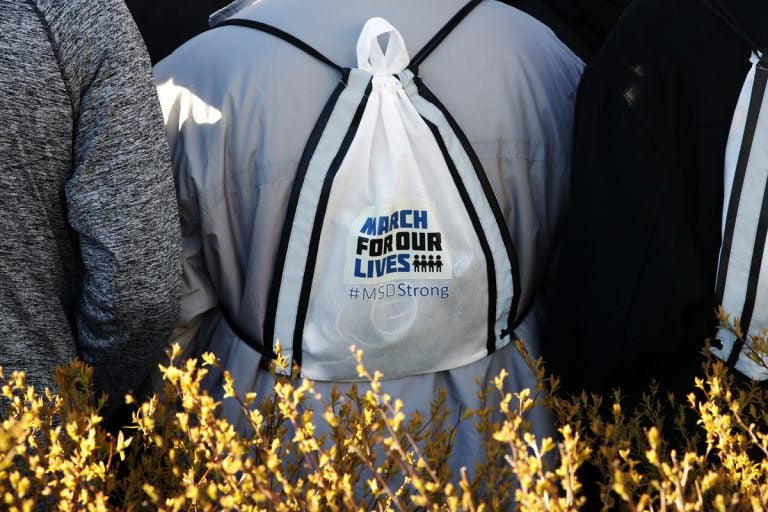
point(84, 32)
point(67, 17)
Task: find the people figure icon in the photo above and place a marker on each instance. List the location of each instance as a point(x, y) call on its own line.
point(422, 264)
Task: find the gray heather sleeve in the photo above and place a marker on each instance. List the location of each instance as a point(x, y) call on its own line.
point(120, 197)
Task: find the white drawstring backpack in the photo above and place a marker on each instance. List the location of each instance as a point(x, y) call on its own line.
point(393, 240)
point(742, 277)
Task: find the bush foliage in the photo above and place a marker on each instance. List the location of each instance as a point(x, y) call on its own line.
point(178, 454)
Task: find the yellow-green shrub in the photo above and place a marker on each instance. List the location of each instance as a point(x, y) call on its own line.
point(178, 454)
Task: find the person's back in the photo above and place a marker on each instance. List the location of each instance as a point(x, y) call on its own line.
point(240, 106)
point(642, 240)
point(89, 237)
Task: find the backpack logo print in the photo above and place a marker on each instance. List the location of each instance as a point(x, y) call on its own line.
point(398, 241)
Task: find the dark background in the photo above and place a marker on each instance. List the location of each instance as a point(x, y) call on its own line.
point(167, 24)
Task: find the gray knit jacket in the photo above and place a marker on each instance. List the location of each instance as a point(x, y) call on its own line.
point(89, 236)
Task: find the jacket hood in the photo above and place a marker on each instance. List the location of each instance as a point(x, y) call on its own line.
point(582, 24)
point(228, 11)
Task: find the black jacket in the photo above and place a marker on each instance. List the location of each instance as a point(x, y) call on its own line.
point(582, 25)
point(634, 294)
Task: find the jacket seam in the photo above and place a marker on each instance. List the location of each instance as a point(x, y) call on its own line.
point(56, 53)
